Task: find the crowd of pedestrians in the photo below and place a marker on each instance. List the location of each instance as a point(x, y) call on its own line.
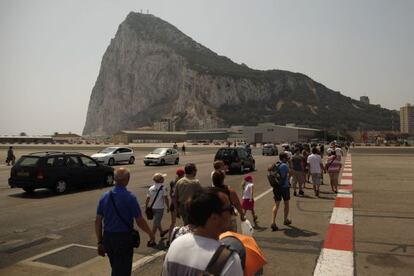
point(195, 247)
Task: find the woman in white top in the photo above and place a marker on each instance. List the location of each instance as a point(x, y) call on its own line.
point(157, 199)
point(248, 196)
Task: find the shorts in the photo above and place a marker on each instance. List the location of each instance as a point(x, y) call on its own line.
point(316, 178)
point(247, 204)
point(334, 176)
point(298, 177)
point(281, 193)
point(158, 213)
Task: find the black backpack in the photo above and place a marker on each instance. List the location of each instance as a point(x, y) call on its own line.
point(229, 245)
point(274, 177)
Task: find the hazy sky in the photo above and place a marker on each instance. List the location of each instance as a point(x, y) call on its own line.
point(50, 51)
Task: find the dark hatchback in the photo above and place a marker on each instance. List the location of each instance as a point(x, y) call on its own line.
point(58, 171)
point(236, 159)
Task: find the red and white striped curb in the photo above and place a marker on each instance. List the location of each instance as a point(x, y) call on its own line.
point(337, 256)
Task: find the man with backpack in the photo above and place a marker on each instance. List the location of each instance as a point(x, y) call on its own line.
point(278, 175)
point(199, 252)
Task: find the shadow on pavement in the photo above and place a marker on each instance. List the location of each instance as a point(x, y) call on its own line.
point(259, 228)
point(326, 198)
point(294, 232)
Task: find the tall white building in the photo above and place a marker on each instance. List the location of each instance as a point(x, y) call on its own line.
point(407, 119)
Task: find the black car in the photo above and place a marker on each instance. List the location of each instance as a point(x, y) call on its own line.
point(269, 149)
point(58, 171)
point(236, 159)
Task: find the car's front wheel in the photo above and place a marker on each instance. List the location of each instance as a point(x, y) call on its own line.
point(177, 161)
point(131, 160)
point(253, 167)
point(111, 162)
point(60, 187)
point(162, 162)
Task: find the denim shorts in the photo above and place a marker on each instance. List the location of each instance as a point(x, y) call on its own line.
point(158, 214)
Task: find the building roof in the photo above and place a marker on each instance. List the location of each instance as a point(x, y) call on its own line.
point(152, 132)
point(286, 126)
point(26, 136)
point(66, 135)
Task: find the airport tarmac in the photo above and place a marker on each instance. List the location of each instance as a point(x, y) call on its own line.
point(49, 235)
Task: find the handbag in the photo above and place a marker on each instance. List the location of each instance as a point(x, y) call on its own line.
point(136, 239)
point(148, 211)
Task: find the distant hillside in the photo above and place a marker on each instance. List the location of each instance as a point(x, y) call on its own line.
point(152, 71)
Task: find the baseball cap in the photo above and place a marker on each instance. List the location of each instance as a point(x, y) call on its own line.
point(248, 178)
point(157, 176)
point(180, 172)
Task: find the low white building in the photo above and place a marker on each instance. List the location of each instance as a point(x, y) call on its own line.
point(271, 133)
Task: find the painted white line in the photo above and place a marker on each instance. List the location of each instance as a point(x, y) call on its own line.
point(346, 174)
point(147, 259)
point(348, 166)
point(342, 216)
point(262, 194)
point(347, 169)
point(343, 194)
point(32, 260)
point(335, 262)
point(346, 182)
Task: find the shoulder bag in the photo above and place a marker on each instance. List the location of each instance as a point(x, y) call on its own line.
point(333, 159)
point(134, 233)
point(148, 211)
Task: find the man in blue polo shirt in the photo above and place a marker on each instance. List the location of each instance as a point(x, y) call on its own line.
point(115, 239)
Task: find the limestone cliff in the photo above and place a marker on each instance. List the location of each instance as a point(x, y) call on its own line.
point(152, 71)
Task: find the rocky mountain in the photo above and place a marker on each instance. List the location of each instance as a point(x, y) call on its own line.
point(152, 71)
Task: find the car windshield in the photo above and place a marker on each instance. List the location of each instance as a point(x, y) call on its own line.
point(28, 161)
point(107, 150)
point(226, 152)
point(158, 151)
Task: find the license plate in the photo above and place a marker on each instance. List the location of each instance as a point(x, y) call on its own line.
point(23, 174)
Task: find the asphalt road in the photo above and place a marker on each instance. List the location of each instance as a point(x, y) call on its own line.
point(383, 210)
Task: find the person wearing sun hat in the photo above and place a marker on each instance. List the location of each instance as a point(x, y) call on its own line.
point(248, 196)
point(157, 199)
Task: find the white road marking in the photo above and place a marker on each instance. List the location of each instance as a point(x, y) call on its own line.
point(335, 263)
point(345, 195)
point(342, 216)
point(31, 261)
point(147, 259)
point(262, 194)
point(346, 182)
point(346, 174)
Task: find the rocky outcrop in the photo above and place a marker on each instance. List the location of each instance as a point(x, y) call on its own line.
point(152, 71)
